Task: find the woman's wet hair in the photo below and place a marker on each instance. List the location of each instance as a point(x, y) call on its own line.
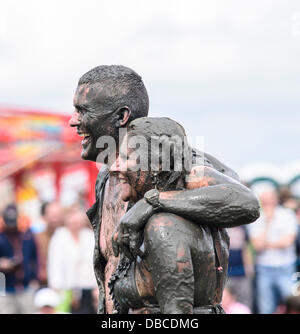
point(166, 139)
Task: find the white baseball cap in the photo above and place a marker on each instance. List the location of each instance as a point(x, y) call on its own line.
point(46, 297)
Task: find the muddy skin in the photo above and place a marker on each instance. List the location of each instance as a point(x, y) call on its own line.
point(211, 198)
point(221, 198)
point(178, 273)
point(92, 116)
point(86, 119)
point(134, 220)
point(180, 270)
point(112, 211)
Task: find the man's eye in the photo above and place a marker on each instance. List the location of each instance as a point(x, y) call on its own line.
point(81, 111)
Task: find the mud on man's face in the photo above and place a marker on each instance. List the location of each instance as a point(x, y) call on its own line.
point(93, 118)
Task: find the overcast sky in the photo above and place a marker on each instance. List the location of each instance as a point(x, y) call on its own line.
point(226, 70)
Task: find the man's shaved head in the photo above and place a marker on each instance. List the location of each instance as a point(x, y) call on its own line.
point(123, 87)
point(107, 98)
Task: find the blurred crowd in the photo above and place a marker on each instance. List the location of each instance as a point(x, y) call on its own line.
point(264, 258)
point(48, 267)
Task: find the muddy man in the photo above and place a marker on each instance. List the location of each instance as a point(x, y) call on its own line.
point(107, 99)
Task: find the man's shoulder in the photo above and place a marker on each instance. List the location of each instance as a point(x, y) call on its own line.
point(101, 180)
point(99, 186)
point(102, 174)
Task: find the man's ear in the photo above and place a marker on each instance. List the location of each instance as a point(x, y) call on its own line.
point(124, 114)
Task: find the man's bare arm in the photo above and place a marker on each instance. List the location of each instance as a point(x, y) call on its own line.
point(212, 198)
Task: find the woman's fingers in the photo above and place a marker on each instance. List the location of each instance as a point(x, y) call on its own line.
point(127, 242)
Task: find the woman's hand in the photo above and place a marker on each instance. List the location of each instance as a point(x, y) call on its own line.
point(128, 235)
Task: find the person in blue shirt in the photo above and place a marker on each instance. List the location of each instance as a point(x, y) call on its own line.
point(240, 265)
point(18, 263)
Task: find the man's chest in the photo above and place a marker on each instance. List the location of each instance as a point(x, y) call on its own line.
point(112, 211)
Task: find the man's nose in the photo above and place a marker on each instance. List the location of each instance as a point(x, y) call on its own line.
point(74, 120)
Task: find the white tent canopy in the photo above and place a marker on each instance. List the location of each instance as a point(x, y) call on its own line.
point(281, 174)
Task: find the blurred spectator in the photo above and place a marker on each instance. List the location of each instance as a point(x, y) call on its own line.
point(46, 300)
point(52, 215)
point(70, 260)
point(286, 198)
point(292, 305)
point(298, 213)
point(18, 261)
point(95, 299)
point(273, 239)
point(230, 303)
point(298, 238)
point(240, 266)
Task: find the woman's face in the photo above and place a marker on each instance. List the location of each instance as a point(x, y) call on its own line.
point(134, 182)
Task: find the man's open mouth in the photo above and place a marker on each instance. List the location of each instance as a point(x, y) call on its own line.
point(85, 136)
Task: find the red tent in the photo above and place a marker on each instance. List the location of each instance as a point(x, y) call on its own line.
point(35, 139)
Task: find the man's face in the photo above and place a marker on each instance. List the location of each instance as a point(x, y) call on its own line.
point(92, 118)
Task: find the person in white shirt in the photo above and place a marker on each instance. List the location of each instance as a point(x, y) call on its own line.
point(273, 239)
point(70, 255)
